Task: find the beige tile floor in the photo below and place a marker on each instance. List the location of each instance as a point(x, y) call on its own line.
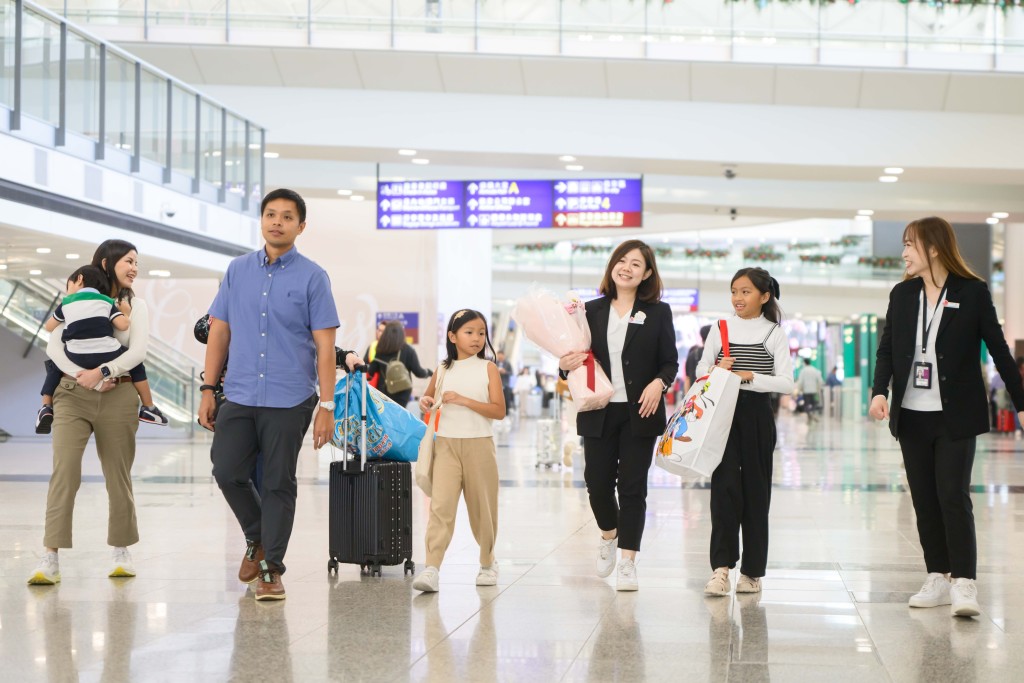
point(844, 559)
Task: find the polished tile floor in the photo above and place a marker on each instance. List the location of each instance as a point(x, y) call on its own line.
point(844, 559)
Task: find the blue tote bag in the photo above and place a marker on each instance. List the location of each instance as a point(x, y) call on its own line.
point(392, 432)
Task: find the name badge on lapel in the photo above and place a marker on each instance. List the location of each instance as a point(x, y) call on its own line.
point(638, 319)
point(951, 304)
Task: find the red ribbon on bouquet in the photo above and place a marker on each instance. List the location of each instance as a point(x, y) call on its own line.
point(591, 371)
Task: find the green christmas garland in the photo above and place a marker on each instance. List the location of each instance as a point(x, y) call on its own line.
point(885, 262)
point(763, 254)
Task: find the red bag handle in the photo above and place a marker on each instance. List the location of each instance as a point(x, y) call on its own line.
point(723, 329)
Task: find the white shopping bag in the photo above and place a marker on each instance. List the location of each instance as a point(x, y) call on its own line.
point(694, 440)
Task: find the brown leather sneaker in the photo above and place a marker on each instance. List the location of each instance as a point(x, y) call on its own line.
point(250, 568)
point(268, 584)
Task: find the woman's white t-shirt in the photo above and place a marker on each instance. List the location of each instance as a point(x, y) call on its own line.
point(925, 400)
point(617, 328)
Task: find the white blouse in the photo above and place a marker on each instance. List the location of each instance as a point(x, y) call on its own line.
point(925, 400)
point(617, 328)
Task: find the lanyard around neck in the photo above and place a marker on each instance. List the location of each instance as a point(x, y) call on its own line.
point(925, 329)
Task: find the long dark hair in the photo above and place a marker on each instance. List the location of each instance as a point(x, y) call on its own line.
point(113, 251)
point(766, 284)
point(937, 232)
point(392, 339)
point(649, 291)
point(455, 323)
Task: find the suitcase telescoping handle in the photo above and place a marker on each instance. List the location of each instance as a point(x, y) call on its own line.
point(358, 373)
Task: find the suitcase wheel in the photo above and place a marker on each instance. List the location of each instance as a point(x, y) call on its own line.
point(376, 570)
point(332, 566)
point(410, 567)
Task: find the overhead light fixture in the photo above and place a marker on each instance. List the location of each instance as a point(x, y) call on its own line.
point(357, 198)
point(43, 250)
point(567, 158)
point(407, 152)
point(421, 162)
point(267, 155)
point(893, 170)
point(35, 272)
point(992, 221)
point(72, 257)
point(1000, 214)
point(3, 266)
point(888, 179)
point(862, 218)
point(345, 193)
point(573, 167)
point(865, 212)
point(160, 273)
point(254, 145)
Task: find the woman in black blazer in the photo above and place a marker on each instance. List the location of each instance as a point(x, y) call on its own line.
point(634, 341)
point(930, 350)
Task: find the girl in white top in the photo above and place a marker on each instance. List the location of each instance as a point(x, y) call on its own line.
point(465, 462)
point(741, 486)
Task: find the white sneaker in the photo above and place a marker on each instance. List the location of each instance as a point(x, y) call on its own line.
point(719, 583)
point(625, 579)
point(47, 572)
point(964, 596)
point(122, 564)
point(745, 584)
point(606, 556)
point(427, 580)
point(933, 593)
point(488, 576)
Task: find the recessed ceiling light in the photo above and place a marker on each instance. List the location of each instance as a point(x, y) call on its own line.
point(421, 162)
point(865, 212)
point(862, 218)
point(1000, 214)
point(407, 152)
point(992, 221)
point(573, 167)
point(344, 193)
point(888, 179)
point(43, 250)
point(567, 158)
point(72, 257)
point(35, 272)
point(160, 273)
point(3, 266)
point(893, 170)
point(357, 198)
point(254, 145)
point(268, 155)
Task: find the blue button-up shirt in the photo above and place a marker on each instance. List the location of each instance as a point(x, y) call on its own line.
point(272, 310)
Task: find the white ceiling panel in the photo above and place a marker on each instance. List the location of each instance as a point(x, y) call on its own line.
point(733, 83)
point(311, 68)
point(986, 93)
point(815, 87)
point(414, 71)
point(903, 90)
point(648, 80)
point(237, 65)
point(482, 75)
point(562, 77)
point(177, 60)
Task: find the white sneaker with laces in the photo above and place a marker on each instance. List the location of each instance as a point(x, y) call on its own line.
point(427, 581)
point(746, 584)
point(606, 556)
point(625, 578)
point(964, 596)
point(488, 576)
point(47, 572)
point(122, 565)
point(719, 583)
point(933, 593)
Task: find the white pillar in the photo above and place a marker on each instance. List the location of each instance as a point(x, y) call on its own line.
point(1013, 285)
point(464, 273)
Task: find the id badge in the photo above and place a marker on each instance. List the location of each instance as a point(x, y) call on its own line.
point(922, 375)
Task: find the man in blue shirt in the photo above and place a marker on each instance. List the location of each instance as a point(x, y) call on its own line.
point(275, 315)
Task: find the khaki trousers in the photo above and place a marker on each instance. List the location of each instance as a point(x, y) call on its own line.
point(114, 418)
point(468, 467)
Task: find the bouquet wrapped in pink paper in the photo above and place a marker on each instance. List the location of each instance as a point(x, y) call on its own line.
point(559, 328)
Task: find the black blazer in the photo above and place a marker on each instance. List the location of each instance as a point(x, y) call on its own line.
point(958, 354)
point(649, 352)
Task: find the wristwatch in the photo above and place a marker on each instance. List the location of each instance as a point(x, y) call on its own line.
point(105, 371)
point(327, 405)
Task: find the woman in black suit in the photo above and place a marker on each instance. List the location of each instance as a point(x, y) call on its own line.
point(930, 350)
point(634, 341)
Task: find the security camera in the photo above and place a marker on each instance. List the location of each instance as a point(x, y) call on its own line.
point(733, 213)
point(729, 174)
point(168, 210)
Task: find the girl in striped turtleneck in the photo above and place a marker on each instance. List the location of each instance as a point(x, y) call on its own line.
point(741, 487)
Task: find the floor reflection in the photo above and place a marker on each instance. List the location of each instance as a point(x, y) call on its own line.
point(261, 642)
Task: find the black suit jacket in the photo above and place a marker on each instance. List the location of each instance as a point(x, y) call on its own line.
point(958, 354)
point(649, 352)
